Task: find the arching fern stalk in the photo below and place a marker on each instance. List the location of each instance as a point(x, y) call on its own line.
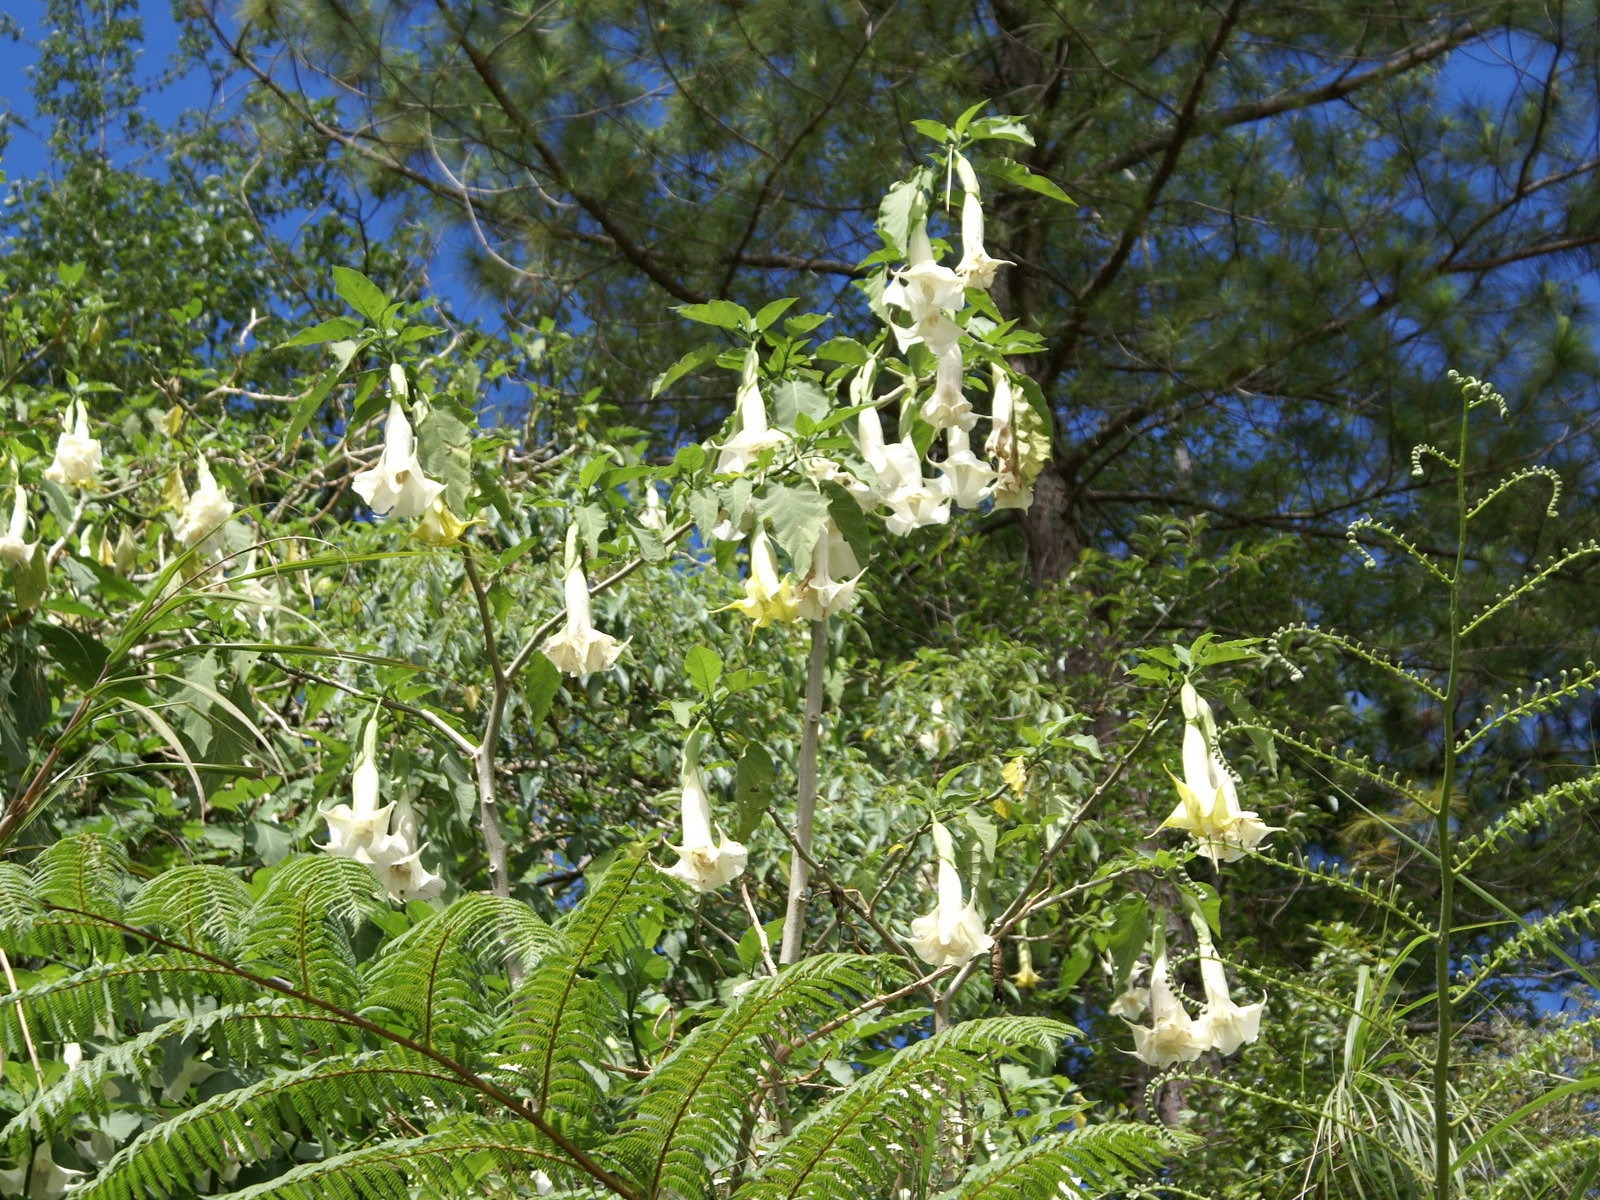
point(417, 1069)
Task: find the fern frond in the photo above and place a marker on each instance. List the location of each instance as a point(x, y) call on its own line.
point(200, 906)
point(606, 920)
point(1556, 1166)
point(258, 1033)
point(687, 1123)
point(301, 926)
point(1075, 1165)
point(871, 1133)
point(1544, 695)
point(1371, 889)
point(86, 873)
point(1544, 809)
point(1545, 1056)
point(333, 1102)
point(435, 975)
point(1552, 931)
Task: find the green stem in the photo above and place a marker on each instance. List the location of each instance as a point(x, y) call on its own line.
point(794, 921)
point(1442, 1123)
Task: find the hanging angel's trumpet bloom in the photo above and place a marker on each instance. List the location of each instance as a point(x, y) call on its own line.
point(1208, 803)
point(768, 596)
point(830, 585)
point(397, 860)
point(947, 408)
point(703, 863)
point(928, 293)
point(1226, 1025)
point(1025, 977)
point(976, 268)
point(1172, 1036)
point(580, 648)
point(205, 510)
point(953, 932)
point(77, 455)
point(397, 486)
point(754, 435)
point(967, 480)
point(39, 1177)
point(654, 514)
point(14, 550)
point(357, 825)
point(1009, 490)
point(440, 527)
point(912, 500)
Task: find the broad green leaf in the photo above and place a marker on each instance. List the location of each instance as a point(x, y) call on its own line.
point(360, 293)
point(797, 513)
point(1000, 129)
point(695, 358)
point(753, 788)
point(724, 314)
point(936, 130)
point(332, 330)
point(902, 207)
point(79, 655)
point(1015, 173)
point(703, 666)
point(771, 312)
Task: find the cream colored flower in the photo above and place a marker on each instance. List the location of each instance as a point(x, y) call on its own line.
point(1227, 1025)
point(397, 486)
point(580, 648)
point(1208, 804)
point(830, 585)
point(953, 932)
point(947, 408)
point(1173, 1036)
point(966, 478)
point(768, 597)
point(976, 268)
point(38, 1178)
point(928, 294)
point(753, 436)
point(77, 455)
point(365, 831)
point(1002, 447)
point(14, 550)
point(704, 863)
point(205, 511)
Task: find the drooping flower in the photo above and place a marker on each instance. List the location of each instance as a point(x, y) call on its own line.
point(77, 455)
point(967, 479)
point(397, 486)
point(976, 268)
point(1172, 1036)
point(830, 585)
point(703, 863)
point(204, 512)
point(363, 830)
point(580, 648)
point(1010, 490)
point(754, 435)
point(912, 500)
point(14, 550)
point(1208, 803)
point(947, 408)
point(928, 294)
point(768, 597)
point(1025, 977)
point(654, 514)
point(1227, 1025)
point(440, 527)
point(953, 932)
point(38, 1178)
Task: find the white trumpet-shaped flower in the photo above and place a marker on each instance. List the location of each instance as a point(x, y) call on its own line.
point(580, 648)
point(38, 1177)
point(953, 932)
point(1208, 803)
point(77, 456)
point(205, 510)
point(1009, 490)
point(1172, 1036)
point(928, 294)
point(1226, 1025)
point(15, 550)
point(362, 830)
point(946, 407)
point(397, 485)
point(830, 585)
point(976, 268)
point(754, 435)
point(704, 863)
point(967, 479)
point(768, 596)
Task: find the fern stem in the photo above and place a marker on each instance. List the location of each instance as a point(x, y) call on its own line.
point(1447, 875)
point(794, 920)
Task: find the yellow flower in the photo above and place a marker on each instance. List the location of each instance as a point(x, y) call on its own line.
point(767, 596)
point(1015, 775)
point(440, 527)
point(1208, 803)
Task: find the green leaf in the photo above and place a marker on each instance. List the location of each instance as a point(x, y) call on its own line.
point(795, 396)
point(703, 666)
point(360, 293)
point(936, 130)
point(1015, 173)
point(771, 312)
point(540, 682)
point(798, 513)
point(70, 273)
point(852, 522)
point(80, 656)
point(844, 350)
point(753, 788)
point(902, 207)
point(965, 118)
point(332, 330)
point(1000, 129)
point(695, 358)
point(724, 314)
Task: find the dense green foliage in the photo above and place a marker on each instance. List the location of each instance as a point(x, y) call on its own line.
point(1239, 335)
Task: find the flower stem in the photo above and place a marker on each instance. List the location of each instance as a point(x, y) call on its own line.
point(794, 921)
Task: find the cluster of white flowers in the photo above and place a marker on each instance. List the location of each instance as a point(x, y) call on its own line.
point(77, 457)
point(1173, 1035)
point(204, 512)
point(384, 837)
